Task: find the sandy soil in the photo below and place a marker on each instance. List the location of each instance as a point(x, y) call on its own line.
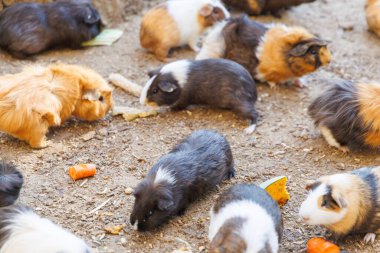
point(286, 142)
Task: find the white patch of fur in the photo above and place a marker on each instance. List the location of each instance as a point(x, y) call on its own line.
point(214, 45)
point(164, 175)
point(258, 228)
point(144, 92)
point(250, 129)
point(329, 137)
point(30, 233)
point(179, 69)
point(369, 238)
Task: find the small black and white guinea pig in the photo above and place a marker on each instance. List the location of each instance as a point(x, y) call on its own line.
point(194, 167)
point(21, 230)
point(347, 203)
point(218, 83)
point(30, 28)
point(348, 114)
point(257, 7)
point(274, 53)
point(245, 219)
point(11, 181)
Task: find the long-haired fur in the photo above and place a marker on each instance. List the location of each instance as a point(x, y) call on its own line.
point(11, 181)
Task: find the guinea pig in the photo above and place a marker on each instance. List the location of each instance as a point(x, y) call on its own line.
point(40, 97)
point(21, 230)
point(218, 83)
point(372, 10)
point(274, 54)
point(257, 7)
point(245, 219)
point(11, 181)
point(193, 167)
point(348, 115)
point(346, 203)
point(178, 23)
point(30, 28)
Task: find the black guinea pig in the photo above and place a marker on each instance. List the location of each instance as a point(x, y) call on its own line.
point(218, 83)
point(30, 28)
point(194, 167)
point(11, 181)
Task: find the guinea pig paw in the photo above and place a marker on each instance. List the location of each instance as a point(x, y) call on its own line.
point(250, 129)
point(344, 149)
point(298, 83)
point(273, 85)
point(369, 238)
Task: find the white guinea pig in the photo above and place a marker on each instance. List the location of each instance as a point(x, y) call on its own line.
point(346, 203)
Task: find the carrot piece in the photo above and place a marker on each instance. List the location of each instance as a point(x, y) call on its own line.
point(82, 171)
point(320, 245)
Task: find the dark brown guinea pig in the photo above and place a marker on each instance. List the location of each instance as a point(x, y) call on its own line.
point(30, 28)
point(257, 7)
point(274, 54)
point(348, 115)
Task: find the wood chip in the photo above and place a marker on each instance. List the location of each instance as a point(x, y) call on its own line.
point(100, 206)
point(127, 85)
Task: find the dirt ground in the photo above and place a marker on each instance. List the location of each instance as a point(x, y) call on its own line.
point(285, 143)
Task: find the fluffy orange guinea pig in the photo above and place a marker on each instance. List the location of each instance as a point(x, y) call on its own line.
point(40, 97)
point(372, 10)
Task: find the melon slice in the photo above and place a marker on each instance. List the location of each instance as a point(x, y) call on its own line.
point(276, 187)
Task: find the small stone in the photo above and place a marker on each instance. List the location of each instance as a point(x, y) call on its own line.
point(128, 191)
point(88, 136)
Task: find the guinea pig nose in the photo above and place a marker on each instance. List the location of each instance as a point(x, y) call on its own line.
point(305, 218)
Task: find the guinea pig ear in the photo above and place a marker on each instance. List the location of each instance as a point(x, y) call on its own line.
point(167, 87)
point(165, 204)
point(302, 48)
point(91, 95)
point(339, 199)
point(91, 16)
point(154, 72)
point(206, 10)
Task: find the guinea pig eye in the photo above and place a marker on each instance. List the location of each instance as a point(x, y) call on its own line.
point(101, 98)
point(314, 51)
point(149, 214)
point(324, 203)
point(154, 91)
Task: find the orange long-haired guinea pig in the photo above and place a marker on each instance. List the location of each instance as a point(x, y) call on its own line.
point(372, 10)
point(178, 23)
point(271, 53)
point(40, 97)
point(348, 114)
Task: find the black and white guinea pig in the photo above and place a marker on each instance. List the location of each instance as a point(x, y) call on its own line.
point(30, 28)
point(22, 230)
point(245, 219)
point(274, 53)
point(178, 23)
point(348, 114)
point(194, 167)
point(11, 181)
point(257, 7)
point(218, 83)
point(346, 203)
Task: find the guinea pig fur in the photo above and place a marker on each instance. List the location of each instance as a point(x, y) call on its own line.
point(11, 181)
point(218, 83)
point(193, 167)
point(178, 23)
point(372, 10)
point(245, 219)
point(30, 28)
point(346, 203)
point(58, 91)
point(257, 7)
point(21, 230)
point(348, 115)
point(274, 54)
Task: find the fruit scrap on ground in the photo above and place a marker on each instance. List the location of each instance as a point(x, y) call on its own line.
point(276, 187)
point(82, 171)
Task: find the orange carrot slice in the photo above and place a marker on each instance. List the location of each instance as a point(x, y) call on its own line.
point(320, 245)
point(82, 171)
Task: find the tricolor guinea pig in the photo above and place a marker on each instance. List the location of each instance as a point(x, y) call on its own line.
point(11, 181)
point(257, 7)
point(30, 28)
point(348, 114)
point(22, 230)
point(274, 53)
point(347, 203)
point(372, 11)
point(218, 83)
point(245, 219)
point(40, 97)
point(178, 23)
point(193, 167)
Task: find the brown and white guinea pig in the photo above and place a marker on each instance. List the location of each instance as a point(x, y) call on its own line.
point(39, 97)
point(192, 168)
point(372, 10)
point(22, 230)
point(11, 181)
point(245, 219)
point(178, 23)
point(346, 203)
point(348, 115)
point(273, 53)
point(218, 83)
point(257, 7)
point(30, 28)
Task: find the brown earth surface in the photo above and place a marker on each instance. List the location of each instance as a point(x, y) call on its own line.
point(285, 143)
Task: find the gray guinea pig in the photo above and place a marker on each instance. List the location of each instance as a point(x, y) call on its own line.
point(11, 181)
point(30, 28)
point(245, 219)
point(218, 83)
point(194, 167)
